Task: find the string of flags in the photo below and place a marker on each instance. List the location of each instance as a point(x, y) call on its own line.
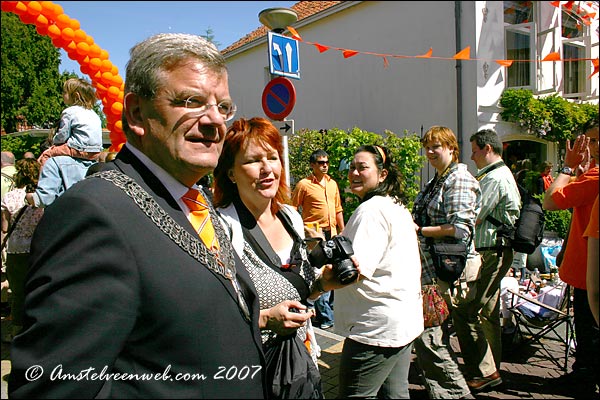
point(586, 12)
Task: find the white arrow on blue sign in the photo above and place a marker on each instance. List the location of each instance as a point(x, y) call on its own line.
point(284, 58)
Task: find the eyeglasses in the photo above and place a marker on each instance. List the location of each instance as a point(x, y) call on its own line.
point(323, 162)
point(226, 108)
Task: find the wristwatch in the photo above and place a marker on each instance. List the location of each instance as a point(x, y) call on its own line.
point(566, 170)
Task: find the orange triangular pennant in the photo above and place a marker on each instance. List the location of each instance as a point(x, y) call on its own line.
point(596, 65)
point(350, 53)
point(464, 54)
point(554, 56)
point(426, 55)
point(568, 5)
point(505, 63)
point(295, 35)
point(385, 62)
point(555, 3)
point(321, 48)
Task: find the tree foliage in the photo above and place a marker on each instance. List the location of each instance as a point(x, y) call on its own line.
point(340, 145)
point(31, 86)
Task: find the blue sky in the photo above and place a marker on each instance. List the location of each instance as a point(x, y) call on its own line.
point(118, 25)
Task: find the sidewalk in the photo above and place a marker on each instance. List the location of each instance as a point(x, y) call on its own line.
point(526, 371)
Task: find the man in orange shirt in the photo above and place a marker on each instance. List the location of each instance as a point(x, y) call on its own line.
point(579, 195)
point(318, 199)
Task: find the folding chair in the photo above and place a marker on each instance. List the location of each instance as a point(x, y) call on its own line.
point(535, 319)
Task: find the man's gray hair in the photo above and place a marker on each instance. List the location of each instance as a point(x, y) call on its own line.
point(163, 52)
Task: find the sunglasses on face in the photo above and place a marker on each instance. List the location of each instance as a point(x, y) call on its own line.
point(323, 162)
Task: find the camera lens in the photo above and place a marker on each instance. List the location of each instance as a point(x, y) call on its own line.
point(346, 272)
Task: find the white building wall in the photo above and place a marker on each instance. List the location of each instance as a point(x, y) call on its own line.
point(359, 92)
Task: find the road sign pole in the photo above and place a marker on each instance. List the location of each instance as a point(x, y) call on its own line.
point(286, 129)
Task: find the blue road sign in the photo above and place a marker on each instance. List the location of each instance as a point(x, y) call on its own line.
point(284, 58)
point(279, 98)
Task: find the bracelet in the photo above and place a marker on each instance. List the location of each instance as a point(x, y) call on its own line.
point(420, 230)
point(318, 286)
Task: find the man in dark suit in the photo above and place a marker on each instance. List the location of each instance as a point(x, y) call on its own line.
point(124, 299)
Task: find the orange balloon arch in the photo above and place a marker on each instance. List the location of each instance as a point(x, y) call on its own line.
point(65, 32)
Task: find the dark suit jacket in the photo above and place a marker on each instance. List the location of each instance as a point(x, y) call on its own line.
point(109, 290)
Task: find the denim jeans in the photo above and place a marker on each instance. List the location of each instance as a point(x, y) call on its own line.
point(374, 372)
point(324, 311)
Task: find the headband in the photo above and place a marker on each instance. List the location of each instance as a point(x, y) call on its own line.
point(381, 152)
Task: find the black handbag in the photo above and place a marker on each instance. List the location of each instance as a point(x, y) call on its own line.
point(449, 260)
point(291, 370)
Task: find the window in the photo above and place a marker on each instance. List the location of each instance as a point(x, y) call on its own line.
point(574, 70)
point(518, 23)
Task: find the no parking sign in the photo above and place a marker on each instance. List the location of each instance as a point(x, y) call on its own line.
point(278, 98)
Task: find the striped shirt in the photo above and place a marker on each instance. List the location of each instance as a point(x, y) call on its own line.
point(457, 203)
point(500, 199)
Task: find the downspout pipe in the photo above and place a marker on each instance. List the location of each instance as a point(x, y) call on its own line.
point(459, 94)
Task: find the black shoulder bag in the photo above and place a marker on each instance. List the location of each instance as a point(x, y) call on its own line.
point(449, 259)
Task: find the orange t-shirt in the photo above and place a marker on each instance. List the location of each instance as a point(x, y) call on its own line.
point(319, 204)
point(580, 196)
point(592, 228)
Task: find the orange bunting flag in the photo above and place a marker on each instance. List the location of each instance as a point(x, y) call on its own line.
point(464, 54)
point(350, 53)
point(321, 48)
point(555, 3)
point(596, 68)
point(295, 35)
point(385, 62)
point(505, 63)
point(426, 55)
point(554, 56)
point(568, 5)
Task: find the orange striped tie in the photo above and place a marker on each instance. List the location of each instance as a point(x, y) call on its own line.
point(200, 217)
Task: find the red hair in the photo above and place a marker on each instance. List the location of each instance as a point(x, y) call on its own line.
point(239, 135)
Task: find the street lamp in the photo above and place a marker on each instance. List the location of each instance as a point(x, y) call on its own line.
point(276, 20)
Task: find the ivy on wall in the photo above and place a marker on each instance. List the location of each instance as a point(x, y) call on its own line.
point(552, 118)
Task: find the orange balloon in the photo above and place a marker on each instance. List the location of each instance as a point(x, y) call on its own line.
point(116, 108)
point(106, 66)
point(60, 42)
point(79, 36)
point(103, 54)
point(71, 46)
point(84, 69)
point(114, 70)
point(89, 40)
point(117, 80)
point(113, 92)
point(67, 34)
point(8, 6)
point(34, 8)
point(63, 21)
point(28, 18)
point(72, 54)
point(74, 24)
point(47, 9)
point(20, 8)
point(95, 51)
point(119, 125)
point(42, 29)
point(94, 63)
point(40, 20)
point(53, 31)
point(83, 48)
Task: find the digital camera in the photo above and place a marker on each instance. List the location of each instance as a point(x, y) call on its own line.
point(336, 251)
